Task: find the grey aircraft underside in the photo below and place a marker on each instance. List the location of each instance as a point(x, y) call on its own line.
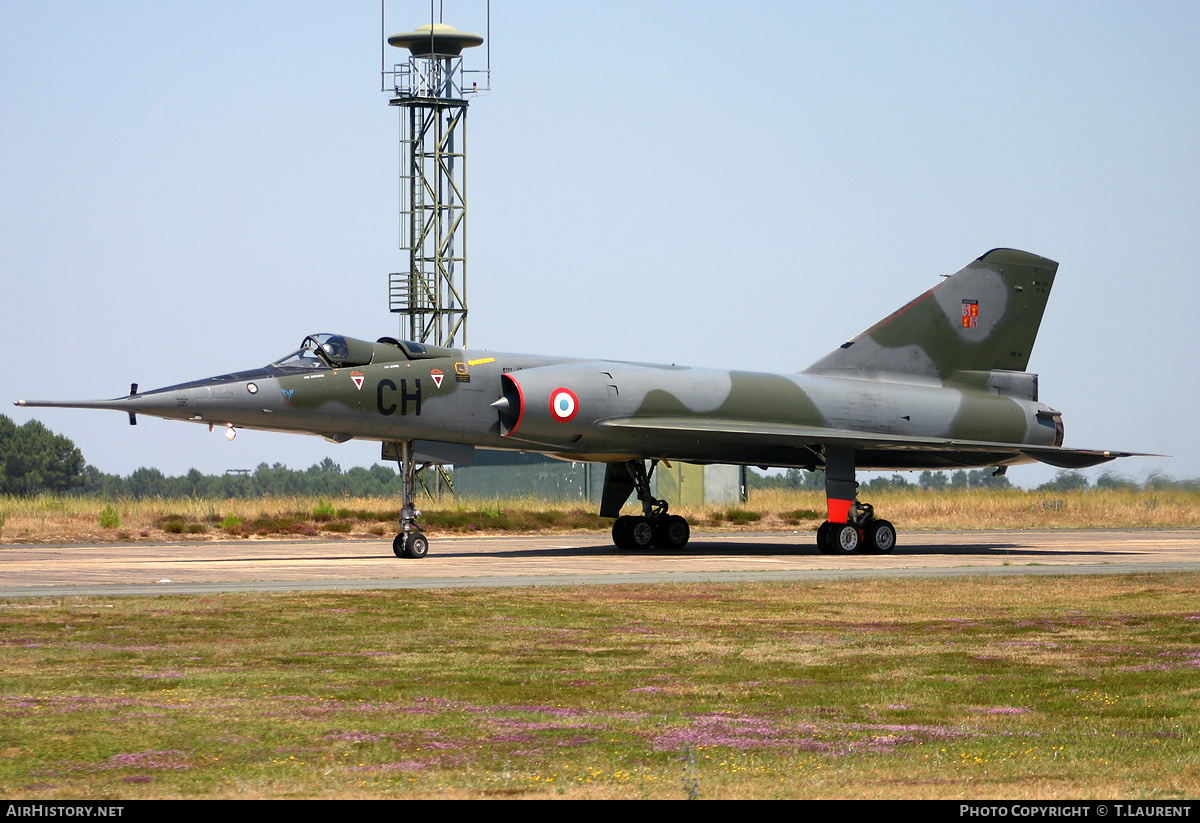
point(939, 384)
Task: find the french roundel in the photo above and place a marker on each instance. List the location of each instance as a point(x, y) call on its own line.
point(563, 405)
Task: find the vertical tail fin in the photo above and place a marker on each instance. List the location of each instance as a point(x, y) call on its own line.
point(983, 318)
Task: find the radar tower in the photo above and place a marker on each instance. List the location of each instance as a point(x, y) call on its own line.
point(430, 91)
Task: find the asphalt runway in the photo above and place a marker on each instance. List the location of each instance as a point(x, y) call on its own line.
point(454, 561)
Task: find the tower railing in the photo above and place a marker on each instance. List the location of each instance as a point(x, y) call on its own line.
point(442, 78)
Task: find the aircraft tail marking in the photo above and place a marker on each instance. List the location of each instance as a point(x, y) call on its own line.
point(983, 318)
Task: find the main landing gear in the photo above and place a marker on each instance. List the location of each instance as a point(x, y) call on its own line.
point(410, 542)
point(863, 533)
point(852, 526)
point(654, 527)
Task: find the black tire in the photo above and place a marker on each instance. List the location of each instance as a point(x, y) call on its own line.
point(881, 537)
point(620, 532)
point(843, 538)
point(671, 533)
point(417, 546)
point(398, 546)
point(823, 537)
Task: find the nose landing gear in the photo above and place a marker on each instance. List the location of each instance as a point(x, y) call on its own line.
point(410, 542)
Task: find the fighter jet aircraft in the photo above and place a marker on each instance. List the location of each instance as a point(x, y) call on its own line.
point(938, 384)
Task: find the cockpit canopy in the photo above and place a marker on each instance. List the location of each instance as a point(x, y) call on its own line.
point(325, 351)
point(339, 351)
point(335, 351)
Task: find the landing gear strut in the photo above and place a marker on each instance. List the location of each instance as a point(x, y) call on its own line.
point(410, 542)
point(654, 527)
point(852, 526)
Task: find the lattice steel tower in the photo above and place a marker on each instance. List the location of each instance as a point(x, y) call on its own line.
point(430, 93)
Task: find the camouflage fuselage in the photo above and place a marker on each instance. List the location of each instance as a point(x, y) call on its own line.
point(619, 410)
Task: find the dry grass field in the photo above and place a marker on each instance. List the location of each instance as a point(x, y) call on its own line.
point(72, 519)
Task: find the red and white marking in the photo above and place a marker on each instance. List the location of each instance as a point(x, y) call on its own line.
point(564, 405)
point(437, 376)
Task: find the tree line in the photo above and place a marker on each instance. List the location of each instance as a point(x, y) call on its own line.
point(939, 480)
point(972, 479)
point(325, 479)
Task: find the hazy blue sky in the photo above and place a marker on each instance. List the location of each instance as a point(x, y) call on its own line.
point(188, 189)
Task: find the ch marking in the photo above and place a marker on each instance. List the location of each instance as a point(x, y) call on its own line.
point(386, 405)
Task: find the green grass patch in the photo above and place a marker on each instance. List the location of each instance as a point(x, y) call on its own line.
point(800, 515)
point(1063, 687)
point(738, 517)
point(109, 518)
point(180, 524)
point(368, 516)
point(519, 519)
point(323, 511)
